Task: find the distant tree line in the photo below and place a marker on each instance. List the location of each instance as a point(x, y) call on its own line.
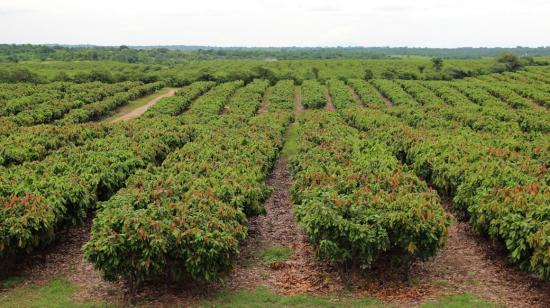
point(178, 54)
point(505, 62)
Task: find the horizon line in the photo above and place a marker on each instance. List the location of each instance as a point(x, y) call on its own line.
point(265, 47)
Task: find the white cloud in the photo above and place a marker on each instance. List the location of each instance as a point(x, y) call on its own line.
point(430, 23)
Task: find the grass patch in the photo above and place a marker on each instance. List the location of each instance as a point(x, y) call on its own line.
point(291, 145)
point(263, 297)
point(56, 293)
point(459, 301)
point(275, 254)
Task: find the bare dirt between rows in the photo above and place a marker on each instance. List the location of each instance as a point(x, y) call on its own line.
point(65, 258)
point(471, 263)
point(330, 104)
point(537, 105)
point(264, 106)
point(388, 102)
point(302, 272)
point(298, 107)
point(355, 97)
point(141, 110)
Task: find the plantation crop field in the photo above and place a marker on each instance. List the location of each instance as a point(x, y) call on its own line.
point(352, 177)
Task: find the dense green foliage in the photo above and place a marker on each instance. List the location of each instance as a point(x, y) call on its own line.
point(72, 103)
point(188, 216)
point(171, 54)
point(356, 202)
point(35, 142)
point(342, 96)
point(485, 150)
point(38, 197)
point(247, 70)
point(282, 96)
point(97, 110)
point(313, 96)
point(172, 190)
point(181, 101)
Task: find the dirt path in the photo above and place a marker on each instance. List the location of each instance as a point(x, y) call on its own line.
point(140, 110)
point(536, 105)
point(298, 107)
point(388, 102)
point(65, 257)
point(330, 104)
point(265, 101)
point(355, 97)
point(470, 263)
point(301, 273)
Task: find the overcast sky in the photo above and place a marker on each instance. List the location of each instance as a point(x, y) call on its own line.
point(421, 23)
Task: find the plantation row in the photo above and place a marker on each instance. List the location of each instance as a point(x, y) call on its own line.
point(447, 105)
point(38, 197)
point(342, 96)
point(533, 88)
point(211, 104)
point(356, 202)
point(177, 75)
point(282, 96)
point(312, 95)
point(246, 102)
point(36, 142)
point(193, 168)
point(19, 97)
point(187, 217)
point(175, 105)
point(506, 194)
point(97, 110)
point(90, 101)
point(508, 86)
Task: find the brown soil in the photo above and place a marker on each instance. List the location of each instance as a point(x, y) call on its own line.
point(471, 263)
point(65, 257)
point(265, 102)
point(139, 111)
point(355, 97)
point(330, 105)
point(301, 273)
point(388, 102)
point(537, 105)
point(298, 108)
